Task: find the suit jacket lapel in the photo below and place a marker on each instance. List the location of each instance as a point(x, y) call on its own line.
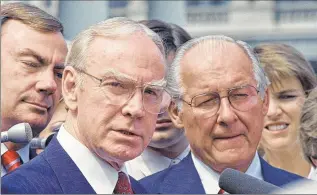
point(183, 178)
point(137, 187)
point(71, 180)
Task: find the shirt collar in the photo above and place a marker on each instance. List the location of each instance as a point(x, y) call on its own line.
point(209, 178)
point(184, 153)
point(100, 175)
point(179, 157)
point(313, 173)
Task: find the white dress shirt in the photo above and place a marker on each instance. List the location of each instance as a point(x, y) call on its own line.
point(23, 152)
point(150, 162)
point(313, 174)
point(209, 178)
point(100, 175)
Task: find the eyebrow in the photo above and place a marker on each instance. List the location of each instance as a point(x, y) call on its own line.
point(38, 57)
point(162, 82)
point(32, 53)
point(288, 91)
point(111, 73)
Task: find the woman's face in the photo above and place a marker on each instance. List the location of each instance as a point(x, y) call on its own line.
point(281, 123)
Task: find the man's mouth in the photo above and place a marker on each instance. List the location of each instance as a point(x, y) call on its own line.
point(163, 124)
point(127, 132)
point(228, 137)
point(278, 127)
point(39, 105)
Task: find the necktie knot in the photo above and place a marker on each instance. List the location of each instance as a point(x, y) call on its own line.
point(221, 191)
point(123, 185)
point(11, 160)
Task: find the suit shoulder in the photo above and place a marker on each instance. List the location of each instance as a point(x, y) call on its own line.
point(33, 177)
point(152, 183)
point(276, 176)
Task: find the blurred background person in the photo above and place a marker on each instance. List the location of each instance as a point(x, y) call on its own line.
point(292, 77)
point(169, 144)
point(33, 51)
point(308, 131)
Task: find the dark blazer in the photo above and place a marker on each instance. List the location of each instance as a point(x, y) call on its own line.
point(183, 178)
point(51, 172)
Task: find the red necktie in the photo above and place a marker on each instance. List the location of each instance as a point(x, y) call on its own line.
point(123, 185)
point(11, 160)
point(221, 191)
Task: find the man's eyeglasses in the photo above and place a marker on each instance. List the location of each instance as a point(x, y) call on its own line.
point(120, 92)
point(241, 98)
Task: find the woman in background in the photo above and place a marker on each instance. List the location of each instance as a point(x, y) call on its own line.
point(308, 131)
point(292, 78)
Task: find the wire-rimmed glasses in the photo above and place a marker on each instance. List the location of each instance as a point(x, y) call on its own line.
point(120, 92)
point(241, 98)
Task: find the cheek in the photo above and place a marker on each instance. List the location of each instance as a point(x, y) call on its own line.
point(147, 125)
point(295, 111)
point(255, 128)
point(198, 129)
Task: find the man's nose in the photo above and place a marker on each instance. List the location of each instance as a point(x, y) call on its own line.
point(134, 106)
point(226, 114)
point(46, 82)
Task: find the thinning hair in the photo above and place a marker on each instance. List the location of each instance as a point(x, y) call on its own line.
point(174, 77)
point(308, 126)
point(112, 28)
point(173, 36)
point(281, 61)
point(31, 16)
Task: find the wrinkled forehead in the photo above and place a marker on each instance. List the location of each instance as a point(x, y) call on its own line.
point(131, 58)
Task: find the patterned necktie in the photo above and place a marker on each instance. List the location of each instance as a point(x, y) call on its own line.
point(123, 185)
point(11, 160)
point(221, 191)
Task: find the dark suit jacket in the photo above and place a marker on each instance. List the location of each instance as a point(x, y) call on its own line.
point(51, 172)
point(183, 178)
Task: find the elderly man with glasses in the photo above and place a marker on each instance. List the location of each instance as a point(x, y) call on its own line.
point(220, 99)
point(113, 86)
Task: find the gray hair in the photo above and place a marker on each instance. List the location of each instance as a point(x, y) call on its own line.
point(308, 126)
point(174, 78)
point(111, 28)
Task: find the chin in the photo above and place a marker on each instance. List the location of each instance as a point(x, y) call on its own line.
point(127, 154)
point(162, 143)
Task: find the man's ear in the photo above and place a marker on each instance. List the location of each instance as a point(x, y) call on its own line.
point(69, 87)
point(175, 115)
point(266, 102)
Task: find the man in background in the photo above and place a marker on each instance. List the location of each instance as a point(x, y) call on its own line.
point(33, 51)
point(169, 144)
point(113, 86)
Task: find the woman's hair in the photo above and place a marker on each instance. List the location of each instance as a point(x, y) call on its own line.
point(281, 61)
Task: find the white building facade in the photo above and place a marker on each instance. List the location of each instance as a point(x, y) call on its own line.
point(291, 22)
